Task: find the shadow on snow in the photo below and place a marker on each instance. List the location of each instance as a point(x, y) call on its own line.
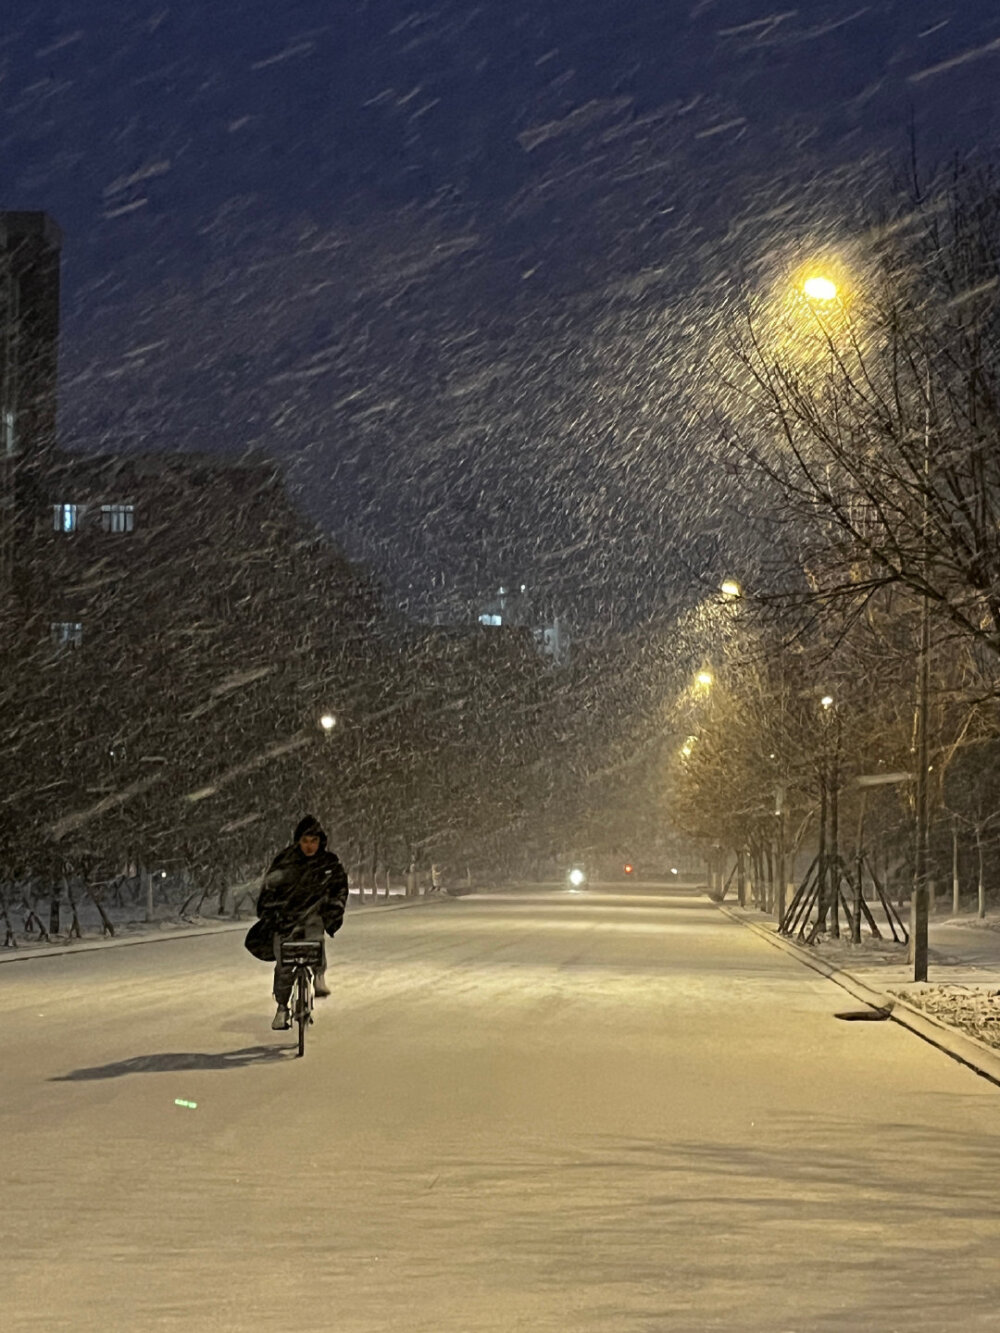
point(171, 1061)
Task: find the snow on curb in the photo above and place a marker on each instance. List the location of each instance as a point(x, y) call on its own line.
point(961, 1046)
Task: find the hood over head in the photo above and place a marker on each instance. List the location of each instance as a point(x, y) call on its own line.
point(309, 824)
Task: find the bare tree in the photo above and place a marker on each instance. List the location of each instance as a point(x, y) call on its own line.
point(872, 418)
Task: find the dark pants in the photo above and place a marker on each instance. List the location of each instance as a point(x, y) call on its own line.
point(284, 976)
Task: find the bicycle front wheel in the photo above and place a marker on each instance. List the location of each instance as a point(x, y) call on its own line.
point(302, 1010)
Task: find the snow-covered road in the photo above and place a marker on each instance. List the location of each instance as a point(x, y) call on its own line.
point(524, 1111)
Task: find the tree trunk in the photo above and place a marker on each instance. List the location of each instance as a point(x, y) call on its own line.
point(859, 858)
point(757, 861)
point(106, 927)
point(10, 941)
point(955, 896)
point(74, 925)
point(31, 920)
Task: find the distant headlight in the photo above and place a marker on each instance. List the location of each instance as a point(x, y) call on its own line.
point(576, 877)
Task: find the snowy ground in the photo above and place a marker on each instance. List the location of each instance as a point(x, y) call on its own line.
point(522, 1111)
point(964, 969)
point(971, 1005)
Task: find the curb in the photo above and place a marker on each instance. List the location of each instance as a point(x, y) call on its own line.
point(25, 953)
point(967, 1050)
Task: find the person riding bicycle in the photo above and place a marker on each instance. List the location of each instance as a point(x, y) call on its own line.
point(304, 894)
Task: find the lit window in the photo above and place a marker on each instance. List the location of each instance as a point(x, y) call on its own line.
point(67, 518)
point(66, 633)
point(117, 518)
point(491, 620)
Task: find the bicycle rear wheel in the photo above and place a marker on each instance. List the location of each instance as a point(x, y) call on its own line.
point(302, 1009)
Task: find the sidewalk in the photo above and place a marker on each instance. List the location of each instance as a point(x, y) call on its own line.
point(173, 928)
point(957, 1009)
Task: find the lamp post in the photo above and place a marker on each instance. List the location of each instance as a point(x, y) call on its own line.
point(829, 868)
point(920, 895)
point(780, 854)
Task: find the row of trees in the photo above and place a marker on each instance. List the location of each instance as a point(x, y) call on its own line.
point(860, 415)
point(184, 734)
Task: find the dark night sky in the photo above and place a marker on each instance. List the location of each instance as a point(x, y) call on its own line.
point(429, 254)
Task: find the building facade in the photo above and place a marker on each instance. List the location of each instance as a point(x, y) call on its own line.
point(514, 608)
point(30, 251)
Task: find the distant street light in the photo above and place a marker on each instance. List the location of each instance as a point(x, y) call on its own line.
point(704, 679)
point(730, 588)
point(328, 722)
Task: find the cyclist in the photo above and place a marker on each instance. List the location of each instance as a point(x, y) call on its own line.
point(304, 894)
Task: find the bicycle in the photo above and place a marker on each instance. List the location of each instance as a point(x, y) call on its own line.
point(305, 957)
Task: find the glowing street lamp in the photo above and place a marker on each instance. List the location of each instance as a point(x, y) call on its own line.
point(704, 679)
point(827, 701)
point(818, 288)
point(328, 722)
point(730, 588)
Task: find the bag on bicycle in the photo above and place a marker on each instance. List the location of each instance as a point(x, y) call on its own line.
point(260, 940)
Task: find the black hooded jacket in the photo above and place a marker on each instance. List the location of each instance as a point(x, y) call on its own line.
point(297, 886)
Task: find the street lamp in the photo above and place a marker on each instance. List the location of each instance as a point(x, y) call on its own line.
point(730, 588)
point(704, 679)
point(819, 288)
point(328, 722)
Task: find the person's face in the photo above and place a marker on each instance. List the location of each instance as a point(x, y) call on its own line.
point(309, 842)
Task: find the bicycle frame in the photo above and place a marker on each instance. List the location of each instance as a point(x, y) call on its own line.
point(305, 957)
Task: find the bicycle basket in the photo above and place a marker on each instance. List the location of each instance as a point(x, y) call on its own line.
point(302, 953)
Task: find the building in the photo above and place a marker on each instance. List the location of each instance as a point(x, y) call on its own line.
point(30, 251)
point(141, 562)
point(180, 630)
point(514, 608)
point(170, 622)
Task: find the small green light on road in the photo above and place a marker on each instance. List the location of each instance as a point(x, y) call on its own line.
point(179, 1101)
